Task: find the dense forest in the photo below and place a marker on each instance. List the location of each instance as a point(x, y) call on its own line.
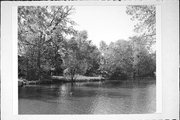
point(49, 45)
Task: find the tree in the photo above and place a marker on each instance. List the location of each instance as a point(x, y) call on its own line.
point(144, 62)
point(74, 62)
point(41, 32)
point(117, 60)
point(103, 46)
point(145, 15)
point(127, 59)
point(82, 56)
point(89, 52)
point(74, 67)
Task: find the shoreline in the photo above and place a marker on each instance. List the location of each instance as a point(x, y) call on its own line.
point(61, 79)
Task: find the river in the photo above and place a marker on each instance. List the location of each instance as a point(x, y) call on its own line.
point(108, 97)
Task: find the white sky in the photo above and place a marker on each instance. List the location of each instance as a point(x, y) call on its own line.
point(107, 23)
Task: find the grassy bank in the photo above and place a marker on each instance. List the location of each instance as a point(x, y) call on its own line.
point(60, 79)
point(78, 78)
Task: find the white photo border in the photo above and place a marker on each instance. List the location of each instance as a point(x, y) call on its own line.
point(166, 105)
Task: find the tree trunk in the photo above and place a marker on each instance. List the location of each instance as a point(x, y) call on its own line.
point(38, 64)
point(27, 69)
point(72, 80)
point(39, 58)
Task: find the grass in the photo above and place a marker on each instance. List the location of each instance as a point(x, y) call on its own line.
point(59, 79)
point(78, 78)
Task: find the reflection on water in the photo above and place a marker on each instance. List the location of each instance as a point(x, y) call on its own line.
point(110, 97)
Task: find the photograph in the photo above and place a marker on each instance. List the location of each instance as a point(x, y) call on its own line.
point(86, 59)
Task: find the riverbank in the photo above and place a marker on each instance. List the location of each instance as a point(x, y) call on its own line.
point(80, 78)
point(59, 79)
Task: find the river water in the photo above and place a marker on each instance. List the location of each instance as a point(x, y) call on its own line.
point(108, 97)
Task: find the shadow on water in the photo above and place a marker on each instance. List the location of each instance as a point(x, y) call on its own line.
point(108, 97)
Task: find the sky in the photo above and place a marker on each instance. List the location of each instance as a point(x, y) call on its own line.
point(107, 23)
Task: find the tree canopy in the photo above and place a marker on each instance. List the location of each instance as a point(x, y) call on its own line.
point(41, 35)
point(145, 15)
point(126, 59)
point(49, 45)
